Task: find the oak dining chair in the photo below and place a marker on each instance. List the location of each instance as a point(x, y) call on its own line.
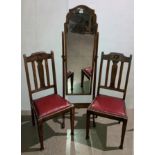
point(41, 75)
point(114, 78)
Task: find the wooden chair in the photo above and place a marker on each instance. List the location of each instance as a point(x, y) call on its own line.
point(109, 106)
point(87, 71)
point(71, 76)
point(47, 107)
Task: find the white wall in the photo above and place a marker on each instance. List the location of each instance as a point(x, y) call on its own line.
point(42, 23)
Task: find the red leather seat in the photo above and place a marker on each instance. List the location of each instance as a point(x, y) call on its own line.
point(50, 104)
point(88, 70)
point(108, 104)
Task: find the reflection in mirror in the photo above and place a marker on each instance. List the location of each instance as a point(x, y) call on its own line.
point(79, 62)
point(80, 50)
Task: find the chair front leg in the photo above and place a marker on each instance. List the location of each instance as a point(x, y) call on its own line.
point(72, 113)
point(40, 132)
point(124, 125)
point(63, 121)
point(87, 125)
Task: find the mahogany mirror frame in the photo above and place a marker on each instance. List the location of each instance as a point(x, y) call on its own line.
point(93, 30)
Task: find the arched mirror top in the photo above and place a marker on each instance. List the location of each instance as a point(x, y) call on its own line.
point(81, 19)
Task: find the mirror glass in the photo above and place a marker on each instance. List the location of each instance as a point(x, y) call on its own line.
point(79, 57)
point(80, 31)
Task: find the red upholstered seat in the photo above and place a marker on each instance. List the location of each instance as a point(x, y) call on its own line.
point(109, 104)
point(50, 104)
point(88, 70)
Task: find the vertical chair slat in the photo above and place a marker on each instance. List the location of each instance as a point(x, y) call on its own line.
point(107, 73)
point(34, 75)
point(41, 73)
point(113, 75)
point(47, 72)
point(120, 75)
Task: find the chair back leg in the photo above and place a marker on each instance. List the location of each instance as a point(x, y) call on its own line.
point(72, 111)
point(87, 125)
point(63, 121)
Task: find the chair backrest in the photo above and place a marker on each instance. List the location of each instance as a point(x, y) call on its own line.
point(37, 68)
point(114, 71)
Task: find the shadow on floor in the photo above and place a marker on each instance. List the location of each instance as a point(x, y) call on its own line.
point(98, 135)
point(29, 134)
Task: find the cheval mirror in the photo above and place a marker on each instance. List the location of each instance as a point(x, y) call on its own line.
point(79, 51)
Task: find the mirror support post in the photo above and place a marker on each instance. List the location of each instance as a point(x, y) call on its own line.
point(63, 65)
point(95, 62)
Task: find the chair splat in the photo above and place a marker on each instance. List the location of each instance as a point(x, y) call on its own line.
point(41, 73)
point(113, 74)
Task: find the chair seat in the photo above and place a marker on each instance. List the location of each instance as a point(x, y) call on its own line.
point(50, 104)
point(107, 104)
point(88, 70)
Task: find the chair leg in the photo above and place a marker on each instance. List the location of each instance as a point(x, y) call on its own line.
point(40, 132)
point(72, 79)
point(72, 111)
point(94, 124)
point(82, 78)
point(33, 117)
point(123, 133)
point(63, 121)
point(87, 125)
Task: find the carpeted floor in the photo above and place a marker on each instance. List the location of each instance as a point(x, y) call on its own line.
point(104, 138)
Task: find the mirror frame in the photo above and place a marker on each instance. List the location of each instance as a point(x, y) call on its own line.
point(91, 13)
